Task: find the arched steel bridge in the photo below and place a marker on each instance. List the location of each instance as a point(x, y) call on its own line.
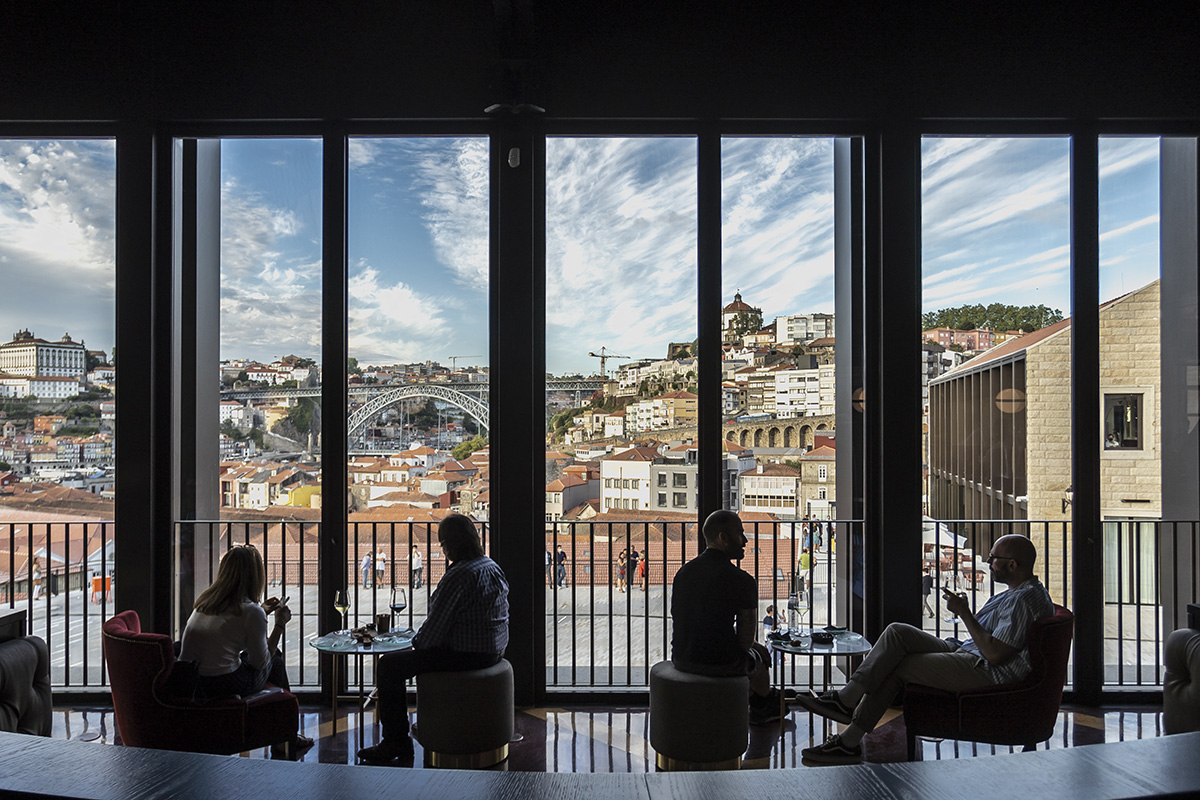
point(476, 407)
point(478, 388)
point(470, 397)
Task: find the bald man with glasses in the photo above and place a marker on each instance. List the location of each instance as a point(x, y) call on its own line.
point(997, 652)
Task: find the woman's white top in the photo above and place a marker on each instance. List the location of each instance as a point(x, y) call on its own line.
point(216, 641)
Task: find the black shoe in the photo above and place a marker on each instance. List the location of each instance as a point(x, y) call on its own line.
point(388, 751)
point(832, 752)
point(764, 714)
point(826, 705)
point(291, 751)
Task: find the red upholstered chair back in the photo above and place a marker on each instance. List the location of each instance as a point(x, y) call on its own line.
point(138, 663)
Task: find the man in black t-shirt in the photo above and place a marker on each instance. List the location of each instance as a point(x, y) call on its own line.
point(714, 607)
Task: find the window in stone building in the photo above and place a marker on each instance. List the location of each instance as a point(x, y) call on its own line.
point(1122, 422)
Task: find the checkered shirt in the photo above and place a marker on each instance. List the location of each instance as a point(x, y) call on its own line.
point(468, 612)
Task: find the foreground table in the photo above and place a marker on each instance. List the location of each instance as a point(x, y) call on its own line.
point(342, 643)
point(59, 768)
point(845, 643)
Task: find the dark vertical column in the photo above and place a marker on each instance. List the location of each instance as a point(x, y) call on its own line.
point(850, 335)
point(1179, 371)
point(1087, 538)
point(196, 262)
point(517, 325)
point(893, 524)
point(708, 321)
point(142, 546)
point(332, 551)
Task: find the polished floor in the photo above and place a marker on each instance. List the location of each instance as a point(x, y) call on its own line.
point(594, 739)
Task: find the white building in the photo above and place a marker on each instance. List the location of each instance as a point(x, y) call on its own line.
point(799, 328)
point(625, 479)
point(47, 388)
point(26, 355)
point(771, 488)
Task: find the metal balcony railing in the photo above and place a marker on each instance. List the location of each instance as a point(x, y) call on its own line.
point(597, 636)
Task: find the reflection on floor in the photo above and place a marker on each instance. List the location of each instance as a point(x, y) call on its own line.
point(592, 739)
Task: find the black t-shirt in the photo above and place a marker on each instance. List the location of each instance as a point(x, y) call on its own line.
point(706, 596)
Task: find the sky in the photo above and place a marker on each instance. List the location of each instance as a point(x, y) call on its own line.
point(621, 238)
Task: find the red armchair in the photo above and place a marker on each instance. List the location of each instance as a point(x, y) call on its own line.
point(139, 665)
point(1013, 713)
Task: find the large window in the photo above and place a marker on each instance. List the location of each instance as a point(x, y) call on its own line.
point(417, 330)
point(996, 354)
point(621, 365)
point(57, 394)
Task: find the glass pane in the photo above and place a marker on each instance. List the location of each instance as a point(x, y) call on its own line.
point(1133, 285)
point(270, 351)
point(57, 403)
point(620, 402)
point(995, 372)
point(779, 380)
point(418, 345)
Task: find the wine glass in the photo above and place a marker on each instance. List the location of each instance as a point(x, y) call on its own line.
point(341, 604)
point(399, 603)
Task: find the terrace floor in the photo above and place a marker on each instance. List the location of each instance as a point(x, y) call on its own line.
point(611, 740)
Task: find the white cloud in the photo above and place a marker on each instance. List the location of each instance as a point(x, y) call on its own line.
point(57, 229)
point(392, 322)
point(270, 283)
point(620, 249)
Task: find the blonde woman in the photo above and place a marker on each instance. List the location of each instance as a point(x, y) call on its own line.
point(227, 637)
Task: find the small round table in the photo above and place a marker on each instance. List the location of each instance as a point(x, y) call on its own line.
point(341, 643)
point(845, 643)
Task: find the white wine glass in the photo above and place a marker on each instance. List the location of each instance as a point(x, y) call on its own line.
point(341, 604)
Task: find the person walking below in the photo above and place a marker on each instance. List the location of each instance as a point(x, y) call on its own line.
point(380, 567)
point(926, 588)
point(365, 568)
point(622, 561)
point(561, 559)
point(415, 564)
point(634, 561)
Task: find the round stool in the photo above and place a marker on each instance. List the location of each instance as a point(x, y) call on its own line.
point(465, 719)
point(697, 722)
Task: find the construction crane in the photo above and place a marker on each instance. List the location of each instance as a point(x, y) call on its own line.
point(604, 356)
point(454, 361)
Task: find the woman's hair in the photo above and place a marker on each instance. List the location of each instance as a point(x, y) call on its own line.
point(770, 609)
point(240, 577)
point(458, 538)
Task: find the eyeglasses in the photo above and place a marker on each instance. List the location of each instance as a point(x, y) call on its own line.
point(990, 559)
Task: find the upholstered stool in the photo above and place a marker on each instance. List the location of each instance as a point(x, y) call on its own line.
point(465, 719)
point(697, 722)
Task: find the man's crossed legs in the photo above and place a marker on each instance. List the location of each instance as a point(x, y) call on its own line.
point(903, 654)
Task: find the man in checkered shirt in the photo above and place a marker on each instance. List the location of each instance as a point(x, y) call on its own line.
point(467, 628)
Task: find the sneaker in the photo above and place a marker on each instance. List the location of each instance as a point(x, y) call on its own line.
point(833, 751)
point(826, 705)
point(764, 714)
point(388, 751)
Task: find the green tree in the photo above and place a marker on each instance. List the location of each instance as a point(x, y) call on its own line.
point(352, 366)
point(301, 415)
point(747, 322)
point(464, 449)
point(996, 316)
point(5, 466)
